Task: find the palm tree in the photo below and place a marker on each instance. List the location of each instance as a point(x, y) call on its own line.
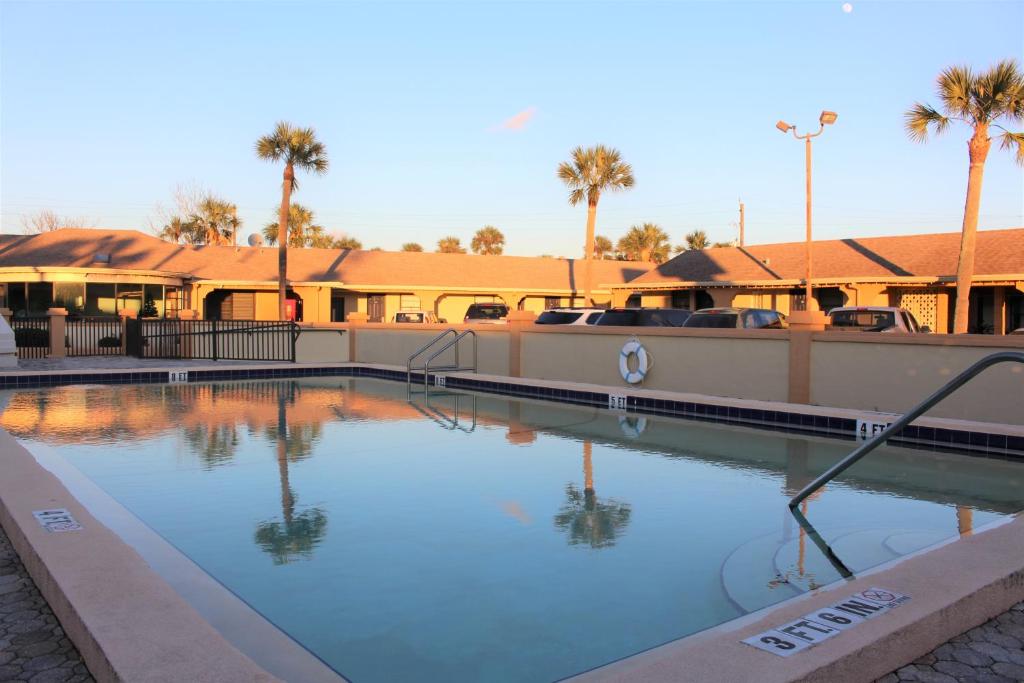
point(300, 224)
point(978, 100)
point(647, 242)
point(214, 222)
point(695, 241)
point(298, 148)
point(488, 240)
point(177, 230)
point(450, 245)
point(589, 520)
point(603, 247)
point(589, 173)
point(412, 246)
point(348, 243)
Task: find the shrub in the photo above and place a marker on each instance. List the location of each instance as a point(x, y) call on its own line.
point(31, 337)
point(109, 342)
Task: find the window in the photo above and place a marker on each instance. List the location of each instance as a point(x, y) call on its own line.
point(129, 297)
point(409, 317)
point(713, 320)
point(867, 321)
point(618, 316)
point(153, 301)
point(592, 318)
point(557, 318)
point(69, 295)
point(100, 298)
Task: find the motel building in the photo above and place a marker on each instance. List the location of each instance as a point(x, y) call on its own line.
point(93, 272)
point(916, 272)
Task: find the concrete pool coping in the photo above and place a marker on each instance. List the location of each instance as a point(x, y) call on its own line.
point(129, 624)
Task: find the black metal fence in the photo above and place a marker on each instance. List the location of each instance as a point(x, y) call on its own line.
point(32, 336)
point(93, 336)
point(212, 339)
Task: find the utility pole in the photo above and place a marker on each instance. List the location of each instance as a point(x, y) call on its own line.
point(742, 243)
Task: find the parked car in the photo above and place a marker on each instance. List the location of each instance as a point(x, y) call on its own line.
point(874, 319)
point(418, 317)
point(738, 318)
point(486, 313)
point(644, 317)
point(569, 316)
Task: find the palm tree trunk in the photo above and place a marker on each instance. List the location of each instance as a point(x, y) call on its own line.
point(977, 147)
point(287, 498)
point(282, 239)
point(588, 254)
point(588, 466)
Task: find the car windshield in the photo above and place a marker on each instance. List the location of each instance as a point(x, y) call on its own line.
point(620, 317)
point(409, 318)
point(867, 321)
point(726, 320)
point(557, 318)
point(486, 312)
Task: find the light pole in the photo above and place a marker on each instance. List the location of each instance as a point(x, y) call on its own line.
point(827, 118)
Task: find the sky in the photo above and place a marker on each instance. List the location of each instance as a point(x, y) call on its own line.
point(440, 118)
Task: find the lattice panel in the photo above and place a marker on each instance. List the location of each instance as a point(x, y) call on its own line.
point(923, 303)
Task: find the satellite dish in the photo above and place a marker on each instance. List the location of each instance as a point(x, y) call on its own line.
point(255, 240)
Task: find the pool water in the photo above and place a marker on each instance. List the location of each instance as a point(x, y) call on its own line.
point(471, 538)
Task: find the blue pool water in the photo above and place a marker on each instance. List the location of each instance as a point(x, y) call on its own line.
point(522, 541)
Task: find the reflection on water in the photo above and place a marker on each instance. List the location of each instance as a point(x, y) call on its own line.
point(589, 520)
point(458, 539)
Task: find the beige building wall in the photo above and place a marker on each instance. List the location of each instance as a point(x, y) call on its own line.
point(748, 365)
point(895, 376)
point(266, 305)
point(393, 344)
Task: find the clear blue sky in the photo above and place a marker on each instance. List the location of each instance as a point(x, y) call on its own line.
point(104, 108)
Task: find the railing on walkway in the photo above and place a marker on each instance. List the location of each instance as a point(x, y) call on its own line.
point(93, 336)
point(32, 336)
point(212, 339)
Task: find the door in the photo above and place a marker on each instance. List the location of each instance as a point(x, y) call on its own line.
point(375, 308)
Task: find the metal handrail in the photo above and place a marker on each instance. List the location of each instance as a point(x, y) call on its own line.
point(897, 426)
point(455, 343)
point(422, 350)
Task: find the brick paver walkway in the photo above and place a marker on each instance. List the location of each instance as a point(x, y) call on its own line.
point(33, 646)
point(991, 653)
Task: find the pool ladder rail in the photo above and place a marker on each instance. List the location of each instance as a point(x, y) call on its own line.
point(897, 426)
point(445, 344)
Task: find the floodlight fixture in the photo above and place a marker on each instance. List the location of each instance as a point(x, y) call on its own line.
point(784, 127)
point(827, 118)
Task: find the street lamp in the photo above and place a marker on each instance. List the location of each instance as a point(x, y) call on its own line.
point(827, 118)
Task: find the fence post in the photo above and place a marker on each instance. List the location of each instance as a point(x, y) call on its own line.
point(517, 320)
point(58, 332)
point(123, 316)
point(355, 319)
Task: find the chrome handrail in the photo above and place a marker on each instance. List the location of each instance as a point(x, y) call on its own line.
point(897, 426)
point(455, 343)
point(422, 350)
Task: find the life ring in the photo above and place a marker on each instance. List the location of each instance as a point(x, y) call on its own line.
point(632, 427)
point(643, 361)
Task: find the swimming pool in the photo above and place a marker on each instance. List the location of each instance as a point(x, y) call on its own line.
point(463, 538)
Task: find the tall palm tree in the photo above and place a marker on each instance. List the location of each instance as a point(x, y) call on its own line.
point(589, 173)
point(603, 247)
point(412, 246)
point(647, 242)
point(177, 230)
point(978, 100)
point(695, 241)
point(300, 224)
point(488, 240)
point(450, 245)
point(298, 148)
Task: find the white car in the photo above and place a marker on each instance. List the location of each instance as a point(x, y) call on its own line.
point(874, 319)
point(415, 317)
point(569, 316)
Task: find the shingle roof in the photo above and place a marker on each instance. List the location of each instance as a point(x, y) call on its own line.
point(132, 250)
point(999, 252)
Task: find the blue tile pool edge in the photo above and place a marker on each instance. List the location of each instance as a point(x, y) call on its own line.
point(918, 437)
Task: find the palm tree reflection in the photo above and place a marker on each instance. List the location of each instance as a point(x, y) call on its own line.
point(587, 519)
point(297, 535)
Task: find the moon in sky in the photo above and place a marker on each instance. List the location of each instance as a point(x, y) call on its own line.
point(847, 7)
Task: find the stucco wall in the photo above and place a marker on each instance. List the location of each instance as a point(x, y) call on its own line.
point(893, 375)
point(322, 345)
point(753, 365)
point(393, 344)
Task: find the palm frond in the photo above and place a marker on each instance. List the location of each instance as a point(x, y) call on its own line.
point(1010, 141)
point(957, 87)
point(919, 117)
point(1001, 90)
